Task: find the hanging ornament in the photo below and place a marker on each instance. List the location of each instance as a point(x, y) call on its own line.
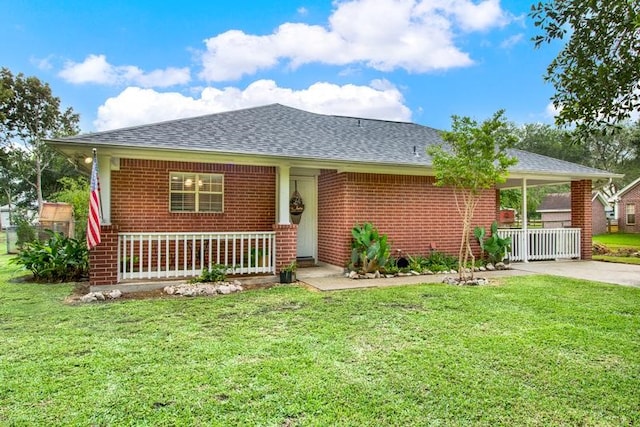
point(296, 205)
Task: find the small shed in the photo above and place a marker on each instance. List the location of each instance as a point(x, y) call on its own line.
point(57, 217)
point(555, 211)
point(5, 216)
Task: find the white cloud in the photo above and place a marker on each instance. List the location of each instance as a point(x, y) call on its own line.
point(416, 35)
point(42, 63)
point(96, 69)
point(135, 105)
point(551, 111)
point(510, 42)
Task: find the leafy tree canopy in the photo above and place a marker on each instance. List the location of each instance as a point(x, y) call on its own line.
point(475, 158)
point(596, 75)
point(29, 114)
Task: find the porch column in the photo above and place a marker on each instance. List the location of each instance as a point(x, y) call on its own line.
point(286, 244)
point(283, 195)
point(581, 214)
point(103, 259)
point(525, 220)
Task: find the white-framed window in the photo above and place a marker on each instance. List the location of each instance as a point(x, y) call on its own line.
point(630, 211)
point(196, 192)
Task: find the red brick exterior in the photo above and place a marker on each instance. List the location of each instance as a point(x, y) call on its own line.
point(140, 198)
point(598, 217)
point(581, 211)
point(103, 259)
point(286, 244)
point(140, 202)
point(415, 214)
point(630, 197)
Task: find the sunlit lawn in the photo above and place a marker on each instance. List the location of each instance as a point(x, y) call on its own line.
point(526, 351)
point(618, 242)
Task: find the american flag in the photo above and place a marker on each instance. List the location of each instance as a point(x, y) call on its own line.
point(93, 224)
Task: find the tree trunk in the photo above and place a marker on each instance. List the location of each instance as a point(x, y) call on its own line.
point(39, 184)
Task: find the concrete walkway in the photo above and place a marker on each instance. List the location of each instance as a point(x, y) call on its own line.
point(331, 278)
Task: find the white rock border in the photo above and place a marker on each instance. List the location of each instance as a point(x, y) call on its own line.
point(377, 275)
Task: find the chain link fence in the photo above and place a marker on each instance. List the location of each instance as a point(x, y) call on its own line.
point(14, 235)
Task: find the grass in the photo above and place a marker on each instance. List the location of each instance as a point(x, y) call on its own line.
point(618, 240)
point(620, 245)
point(532, 350)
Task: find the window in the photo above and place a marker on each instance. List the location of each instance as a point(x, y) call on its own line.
point(196, 192)
point(631, 214)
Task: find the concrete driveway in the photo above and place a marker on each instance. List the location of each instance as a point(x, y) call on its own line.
point(330, 278)
point(597, 271)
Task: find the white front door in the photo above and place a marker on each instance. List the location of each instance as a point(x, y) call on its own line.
point(308, 226)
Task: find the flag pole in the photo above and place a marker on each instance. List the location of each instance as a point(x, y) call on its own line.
point(95, 159)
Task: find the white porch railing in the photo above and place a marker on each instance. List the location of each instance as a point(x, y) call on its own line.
point(542, 243)
point(178, 255)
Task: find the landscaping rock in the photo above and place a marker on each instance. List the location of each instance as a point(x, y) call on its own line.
point(99, 296)
point(169, 290)
point(353, 275)
point(490, 267)
point(114, 294)
point(482, 268)
point(414, 273)
point(224, 289)
point(90, 297)
point(476, 281)
point(501, 266)
point(369, 276)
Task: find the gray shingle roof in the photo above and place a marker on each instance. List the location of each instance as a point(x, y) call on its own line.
point(277, 130)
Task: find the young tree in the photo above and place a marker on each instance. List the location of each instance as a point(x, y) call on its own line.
point(474, 159)
point(29, 114)
point(596, 75)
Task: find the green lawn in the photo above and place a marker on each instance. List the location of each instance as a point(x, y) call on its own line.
point(620, 245)
point(618, 240)
point(527, 351)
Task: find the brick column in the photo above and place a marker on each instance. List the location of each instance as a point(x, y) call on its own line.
point(286, 244)
point(103, 259)
point(581, 214)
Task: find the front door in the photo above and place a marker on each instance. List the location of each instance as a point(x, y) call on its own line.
point(308, 226)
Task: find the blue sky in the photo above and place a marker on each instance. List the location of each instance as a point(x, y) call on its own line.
point(121, 63)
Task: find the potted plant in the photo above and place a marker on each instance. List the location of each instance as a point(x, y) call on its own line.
point(288, 273)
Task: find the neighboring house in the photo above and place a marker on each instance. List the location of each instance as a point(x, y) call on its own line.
point(627, 203)
point(180, 194)
point(555, 211)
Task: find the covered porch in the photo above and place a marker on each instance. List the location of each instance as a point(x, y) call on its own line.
point(540, 244)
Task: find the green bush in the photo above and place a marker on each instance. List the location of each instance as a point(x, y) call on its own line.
point(495, 246)
point(369, 249)
point(217, 273)
point(59, 259)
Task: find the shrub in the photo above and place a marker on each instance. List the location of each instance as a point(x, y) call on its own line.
point(439, 261)
point(495, 246)
point(369, 249)
point(217, 273)
point(58, 259)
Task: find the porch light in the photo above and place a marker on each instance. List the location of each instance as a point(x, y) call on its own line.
point(188, 182)
point(88, 160)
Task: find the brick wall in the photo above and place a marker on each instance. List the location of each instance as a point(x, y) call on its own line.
point(103, 259)
point(140, 198)
point(598, 217)
point(414, 213)
point(286, 244)
point(581, 211)
point(632, 196)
